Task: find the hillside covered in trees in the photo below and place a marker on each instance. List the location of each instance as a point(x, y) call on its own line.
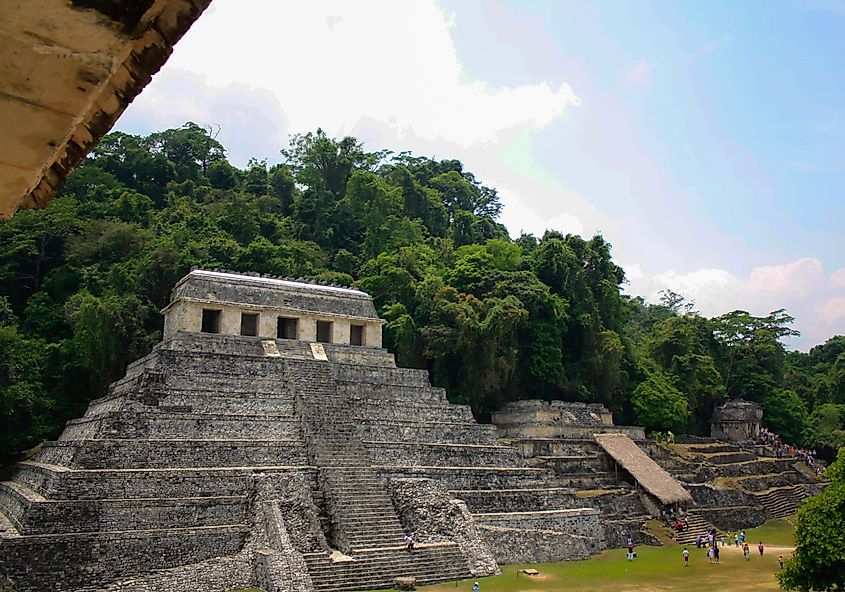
point(493, 319)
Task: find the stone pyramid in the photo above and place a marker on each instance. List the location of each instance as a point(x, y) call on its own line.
point(270, 441)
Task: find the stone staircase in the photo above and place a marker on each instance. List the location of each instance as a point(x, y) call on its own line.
point(734, 487)
point(780, 502)
point(377, 568)
point(361, 511)
point(364, 509)
point(363, 521)
point(698, 525)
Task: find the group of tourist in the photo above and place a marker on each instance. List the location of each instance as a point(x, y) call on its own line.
point(675, 518)
point(705, 540)
point(709, 541)
point(784, 450)
point(712, 540)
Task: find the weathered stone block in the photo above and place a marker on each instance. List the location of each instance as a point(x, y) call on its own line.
point(405, 583)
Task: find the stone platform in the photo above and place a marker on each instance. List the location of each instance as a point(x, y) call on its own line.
point(729, 486)
point(223, 461)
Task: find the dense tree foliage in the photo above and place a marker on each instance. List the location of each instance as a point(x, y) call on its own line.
point(493, 319)
point(819, 561)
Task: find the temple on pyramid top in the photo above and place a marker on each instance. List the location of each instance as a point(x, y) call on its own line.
point(255, 306)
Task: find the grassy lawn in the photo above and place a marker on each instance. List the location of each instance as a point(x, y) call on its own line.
point(777, 533)
point(655, 569)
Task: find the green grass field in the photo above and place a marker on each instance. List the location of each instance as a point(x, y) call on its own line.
point(654, 569)
point(778, 533)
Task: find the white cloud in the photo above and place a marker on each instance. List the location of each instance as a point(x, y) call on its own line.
point(837, 279)
point(798, 286)
point(250, 121)
point(798, 278)
point(519, 217)
point(833, 309)
point(331, 64)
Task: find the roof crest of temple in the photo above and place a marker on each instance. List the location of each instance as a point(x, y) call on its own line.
point(273, 281)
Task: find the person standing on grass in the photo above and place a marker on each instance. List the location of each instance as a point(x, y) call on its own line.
point(630, 549)
point(760, 548)
point(716, 553)
point(475, 587)
point(686, 557)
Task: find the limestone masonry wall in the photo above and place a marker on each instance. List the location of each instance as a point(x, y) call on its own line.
point(431, 514)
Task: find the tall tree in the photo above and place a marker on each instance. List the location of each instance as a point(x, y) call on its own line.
point(753, 354)
point(819, 560)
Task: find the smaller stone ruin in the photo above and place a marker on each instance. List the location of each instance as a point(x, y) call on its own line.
point(558, 419)
point(736, 421)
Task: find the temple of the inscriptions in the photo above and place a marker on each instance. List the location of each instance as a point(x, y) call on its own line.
point(270, 441)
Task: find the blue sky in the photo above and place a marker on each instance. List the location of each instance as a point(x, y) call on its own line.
point(705, 140)
point(739, 106)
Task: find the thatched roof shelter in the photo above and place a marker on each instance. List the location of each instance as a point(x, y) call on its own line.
point(647, 473)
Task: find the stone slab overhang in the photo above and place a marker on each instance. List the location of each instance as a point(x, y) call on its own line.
point(68, 69)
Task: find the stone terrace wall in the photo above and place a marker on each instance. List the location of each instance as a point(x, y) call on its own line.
point(428, 511)
point(63, 516)
point(221, 574)
point(538, 537)
point(117, 454)
point(239, 345)
point(184, 483)
point(512, 545)
point(519, 500)
point(63, 561)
